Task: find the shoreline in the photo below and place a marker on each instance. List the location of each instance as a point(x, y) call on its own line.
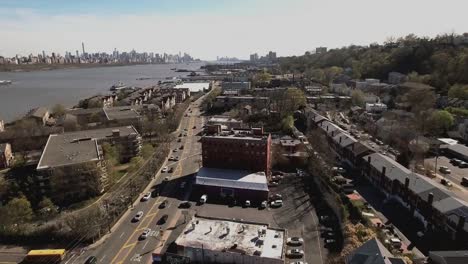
point(50, 67)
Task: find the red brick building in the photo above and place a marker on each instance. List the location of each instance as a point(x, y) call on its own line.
point(238, 149)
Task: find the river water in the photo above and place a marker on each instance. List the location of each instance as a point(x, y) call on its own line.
point(68, 86)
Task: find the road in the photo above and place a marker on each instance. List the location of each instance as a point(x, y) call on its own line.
point(123, 244)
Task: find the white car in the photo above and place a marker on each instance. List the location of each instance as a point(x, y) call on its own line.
point(277, 203)
point(146, 196)
point(164, 169)
point(295, 253)
point(445, 170)
point(330, 241)
point(295, 241)
point(145, 234)
point(298, 262)
point(138, 216)
point(203, 198)
point(247, 203)
point(263, 205)
point(339, 169)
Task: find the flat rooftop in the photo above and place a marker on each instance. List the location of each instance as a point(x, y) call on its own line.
point(77, 147)
point(239, 179)
point(222, 119)
point(237, 237)
point(194, 86)
point(116, 113)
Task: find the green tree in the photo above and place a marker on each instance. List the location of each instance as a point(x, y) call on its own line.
point(58, 110)
point(287, 124)
point(290, 100)
point(135, 163)
point(47, 208)
point(441, 120)
point(147, 150)
point(18, 211)
point(458, 91)
point(357, 98)
point(111, 153)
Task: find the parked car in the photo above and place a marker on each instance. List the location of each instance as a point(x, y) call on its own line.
point(326, 229)
point(171, 158)
point(328, 234)
point(324, 218)
point(175, 150)
point(247, 203)
point(263, 205)
point(330, 241)
point(91, 260)
point(179, 140)
point(185, 205)
point(163, 204)
point(298, 262)
point(203, 198)
point(339, 170)
point(276, 196)
point(455, 161)
point(463, 164)
point(155, 193)
point(431, 174)
point(277, 203)
point(164, 169)
point(138, 216)
point(273, 184)
point(163, 219)
point(445, 170)
point(176, 158)
point(194, 127)
point(181, 147)
point(464, 181)
point(145, 234)
point(295, 253)
point(295, 241)
point(146, 197)
point(171, 170)
point(166, 179)
point(446, 182)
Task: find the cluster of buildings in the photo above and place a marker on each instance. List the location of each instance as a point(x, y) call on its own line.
point(84, 57)
point(270, 57)
point(438, 208)
point(70, 166)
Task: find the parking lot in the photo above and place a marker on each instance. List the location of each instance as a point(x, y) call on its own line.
point(456, 173)
point(296, 215)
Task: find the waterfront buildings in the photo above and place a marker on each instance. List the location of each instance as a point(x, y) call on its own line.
point(211, 240)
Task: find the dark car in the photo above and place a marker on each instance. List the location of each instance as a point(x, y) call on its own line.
point(163, 204)
point(155, 193)
point(171, 170)
point(91, 260)
point(185, 205)
point(163, 219)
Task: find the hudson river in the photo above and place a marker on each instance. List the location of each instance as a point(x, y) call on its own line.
point(68, 86)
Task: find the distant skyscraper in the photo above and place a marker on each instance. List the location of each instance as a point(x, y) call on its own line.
point(43, 54)
point(82, 46)
point(77, 54)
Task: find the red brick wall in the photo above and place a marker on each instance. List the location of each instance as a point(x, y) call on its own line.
point(237, 153)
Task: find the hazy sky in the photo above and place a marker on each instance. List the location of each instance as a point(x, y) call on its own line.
point(210, 28)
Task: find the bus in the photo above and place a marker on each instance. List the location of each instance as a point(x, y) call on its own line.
point(45, 256)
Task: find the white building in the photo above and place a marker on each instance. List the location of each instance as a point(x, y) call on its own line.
point(195, 87)
point(210, 240)
point(376, 107)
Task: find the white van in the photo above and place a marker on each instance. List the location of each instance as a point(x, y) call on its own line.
point(396, 243)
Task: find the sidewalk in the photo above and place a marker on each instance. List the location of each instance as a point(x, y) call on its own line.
point(147, 188)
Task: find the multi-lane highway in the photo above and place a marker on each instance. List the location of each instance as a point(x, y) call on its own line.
point(124, 244)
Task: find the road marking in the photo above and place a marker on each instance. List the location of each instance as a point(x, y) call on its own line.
point(68, 259)
point(129, 245)
point(103, 257)
point(146, 243)
point(122, 234)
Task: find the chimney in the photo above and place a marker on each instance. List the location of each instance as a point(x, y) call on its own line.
point(116, 133)
point(369, 159)
point(430, 198)
point(406, 182)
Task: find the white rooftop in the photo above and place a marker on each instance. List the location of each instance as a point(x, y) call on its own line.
point(194, 86)
point(236, 237)
point(232, 178)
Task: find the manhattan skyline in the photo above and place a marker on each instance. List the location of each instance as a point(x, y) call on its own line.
point(242, 27)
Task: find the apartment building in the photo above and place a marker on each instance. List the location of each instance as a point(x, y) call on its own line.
point(72, 165)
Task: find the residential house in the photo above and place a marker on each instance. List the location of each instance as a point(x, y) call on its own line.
point(372, 252)
point(6, 155)
point(40, 115)
point(448, 257)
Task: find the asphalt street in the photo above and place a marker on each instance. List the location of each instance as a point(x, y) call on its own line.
point(124, 245)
